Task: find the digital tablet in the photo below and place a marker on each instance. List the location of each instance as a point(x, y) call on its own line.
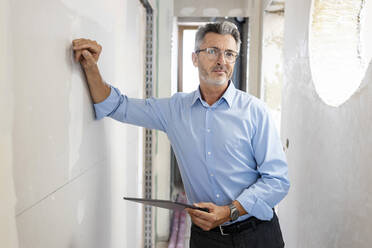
point(165, 204)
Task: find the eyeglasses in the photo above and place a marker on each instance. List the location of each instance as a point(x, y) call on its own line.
point(213, 52)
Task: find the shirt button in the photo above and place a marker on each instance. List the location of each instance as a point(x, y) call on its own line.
point(218, 195)
point(211, 175)
point(208, 130)
point(209, 153)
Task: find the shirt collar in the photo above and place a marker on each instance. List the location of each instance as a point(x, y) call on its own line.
point(196, 96)
point(228, 95)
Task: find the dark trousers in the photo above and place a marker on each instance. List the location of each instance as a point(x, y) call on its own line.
point(266, 234)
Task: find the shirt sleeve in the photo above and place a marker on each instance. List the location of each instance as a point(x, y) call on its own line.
point(149, 113)
point(272, 185)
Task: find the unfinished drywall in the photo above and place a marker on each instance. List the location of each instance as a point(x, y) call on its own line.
point(329, 151)
point(8, 230)
point(66, 173)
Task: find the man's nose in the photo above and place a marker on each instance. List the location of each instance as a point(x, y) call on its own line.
point(221, 58)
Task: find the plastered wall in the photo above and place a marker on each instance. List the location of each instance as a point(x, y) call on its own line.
point(214, 8)
point(63, 174)
point(329, 153)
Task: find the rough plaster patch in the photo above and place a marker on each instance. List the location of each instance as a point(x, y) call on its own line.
point(366, 32)
point(235, 12)
point(188, 11)
point(211, 12)
point(80, 211)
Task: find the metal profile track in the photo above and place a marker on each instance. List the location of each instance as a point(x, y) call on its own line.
point(148, 223)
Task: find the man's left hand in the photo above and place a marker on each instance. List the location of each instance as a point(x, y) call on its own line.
point(217, 215)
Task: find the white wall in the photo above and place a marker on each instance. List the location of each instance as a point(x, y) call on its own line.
point(63, 174)
point(329, 154)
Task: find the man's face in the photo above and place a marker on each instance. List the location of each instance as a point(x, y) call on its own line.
point(216, 71)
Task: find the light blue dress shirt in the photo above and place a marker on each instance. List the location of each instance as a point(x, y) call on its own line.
point(225, 152)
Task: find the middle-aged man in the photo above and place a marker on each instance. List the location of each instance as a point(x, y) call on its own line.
point(227, 147)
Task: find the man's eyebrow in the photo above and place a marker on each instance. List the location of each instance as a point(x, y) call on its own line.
point(229, 50)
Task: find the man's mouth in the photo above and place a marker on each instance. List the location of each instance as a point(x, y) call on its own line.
point(219, 71)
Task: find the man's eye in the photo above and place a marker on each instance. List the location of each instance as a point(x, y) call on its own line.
point(212, 51)
point(229, 54)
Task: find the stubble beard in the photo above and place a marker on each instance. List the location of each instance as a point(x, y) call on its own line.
point(204, 76)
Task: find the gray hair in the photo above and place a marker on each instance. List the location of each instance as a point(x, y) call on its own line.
point(218, 28)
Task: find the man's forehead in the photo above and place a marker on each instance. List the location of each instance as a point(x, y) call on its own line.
point(222, 41)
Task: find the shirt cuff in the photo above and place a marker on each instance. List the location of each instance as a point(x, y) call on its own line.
point(255, 206)
point(106, 107)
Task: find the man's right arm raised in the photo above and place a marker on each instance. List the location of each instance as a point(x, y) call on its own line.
point(108, 101)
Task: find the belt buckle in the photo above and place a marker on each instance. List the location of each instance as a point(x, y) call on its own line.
point(222, 233)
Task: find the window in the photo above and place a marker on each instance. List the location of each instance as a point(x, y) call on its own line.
point(188, 73)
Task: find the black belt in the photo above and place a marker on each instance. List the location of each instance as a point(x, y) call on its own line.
point(250, 223)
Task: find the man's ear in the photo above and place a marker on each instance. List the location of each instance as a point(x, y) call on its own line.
point(195, 59)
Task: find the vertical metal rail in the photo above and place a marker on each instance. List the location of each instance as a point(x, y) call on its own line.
point(148, 133)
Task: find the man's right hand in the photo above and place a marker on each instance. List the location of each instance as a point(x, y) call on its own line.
point(86, 52)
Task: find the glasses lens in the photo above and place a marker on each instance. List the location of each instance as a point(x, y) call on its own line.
point(213, 53)
point(230, 56)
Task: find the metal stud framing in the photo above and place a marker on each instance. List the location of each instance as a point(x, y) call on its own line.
point(148, 225)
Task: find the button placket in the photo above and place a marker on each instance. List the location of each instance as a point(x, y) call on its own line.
point(207, 138)
point(217, 194)
point(209, 154)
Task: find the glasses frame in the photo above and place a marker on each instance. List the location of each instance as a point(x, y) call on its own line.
point(219, 51)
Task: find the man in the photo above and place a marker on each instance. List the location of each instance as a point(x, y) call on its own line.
point(229, 154)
